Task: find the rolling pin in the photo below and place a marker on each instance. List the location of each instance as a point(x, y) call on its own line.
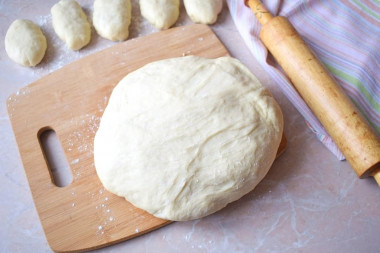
point(354, 137)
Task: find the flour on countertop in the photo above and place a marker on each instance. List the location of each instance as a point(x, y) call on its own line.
point(58, 55)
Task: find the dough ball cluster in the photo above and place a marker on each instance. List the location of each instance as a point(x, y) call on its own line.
point(26, 44)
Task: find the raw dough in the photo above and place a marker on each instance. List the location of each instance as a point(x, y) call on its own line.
point(70, 24)
point(161, 13)
point(112, 18)
point(183, 137)
point(203, 11)
point(25, 43)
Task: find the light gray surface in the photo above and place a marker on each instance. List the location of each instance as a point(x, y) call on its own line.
point(308, 202)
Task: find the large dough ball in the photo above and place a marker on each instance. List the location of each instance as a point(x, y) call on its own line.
point(183, 137)
point(25, 43)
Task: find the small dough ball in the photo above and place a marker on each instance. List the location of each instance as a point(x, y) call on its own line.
point(70, 24)
point(183, 137)
point(25, 43)
point(112, 18)
point(203, 11)
point(161, 13)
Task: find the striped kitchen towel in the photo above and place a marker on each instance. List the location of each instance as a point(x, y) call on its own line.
point(345, 36)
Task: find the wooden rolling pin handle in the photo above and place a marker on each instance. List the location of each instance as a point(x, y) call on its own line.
point(376, 175)
point(261, 13)
point(354, 137)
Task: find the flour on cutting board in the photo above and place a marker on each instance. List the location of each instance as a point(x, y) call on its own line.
point(75, 161)
point(14, 99)
point(80, 142)
point(81, 139)
point(101, 199)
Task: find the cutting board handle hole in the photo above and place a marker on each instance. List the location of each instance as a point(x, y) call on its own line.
point(55, 157)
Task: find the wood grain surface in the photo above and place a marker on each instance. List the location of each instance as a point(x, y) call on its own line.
point(70, 101)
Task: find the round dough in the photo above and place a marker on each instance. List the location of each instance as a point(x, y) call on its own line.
point(70, 24)
point(161, 13)
point(183, 137)
point(112, 18)
point(203, 11)
point(25, 43)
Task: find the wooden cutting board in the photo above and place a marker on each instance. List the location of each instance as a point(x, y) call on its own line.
point(70, 101)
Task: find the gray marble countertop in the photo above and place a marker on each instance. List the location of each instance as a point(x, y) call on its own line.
point(308, 202)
